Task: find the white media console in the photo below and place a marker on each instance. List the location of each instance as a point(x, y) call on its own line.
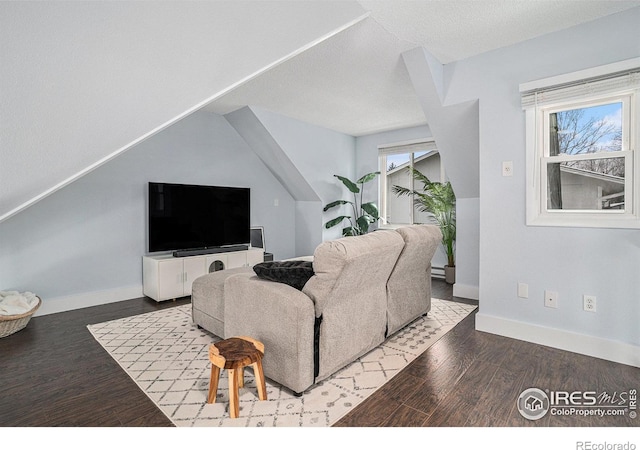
point(166, 277)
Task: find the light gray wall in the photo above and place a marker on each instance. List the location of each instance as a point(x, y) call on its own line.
point(454, 123)
point(571, 261)
point(367, 147)
point(309, 228)
point(318, 154)
point(90, 236)
point(253, 131)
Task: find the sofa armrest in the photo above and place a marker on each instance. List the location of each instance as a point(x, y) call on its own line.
point(280, 317)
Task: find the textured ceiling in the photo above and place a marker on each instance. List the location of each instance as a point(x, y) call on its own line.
point(457, 29)
point(356, 82)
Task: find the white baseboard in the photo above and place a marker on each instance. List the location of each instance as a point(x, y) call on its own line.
point(583, 344)
point(84, 300)
point(466, 291)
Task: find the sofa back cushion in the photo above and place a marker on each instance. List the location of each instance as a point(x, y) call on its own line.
point(348, 289)
point(409, 286)
point(352, 266)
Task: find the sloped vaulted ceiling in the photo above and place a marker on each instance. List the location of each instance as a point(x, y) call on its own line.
point(356, 82)
point(83, 81)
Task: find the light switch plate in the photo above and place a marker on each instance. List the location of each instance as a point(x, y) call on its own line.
point(507, 168)
point(523, 290)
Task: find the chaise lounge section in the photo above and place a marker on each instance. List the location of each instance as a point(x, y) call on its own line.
point(207, 299)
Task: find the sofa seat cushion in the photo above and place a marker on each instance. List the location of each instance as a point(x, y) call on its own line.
point(295, 273)
point(207, 292)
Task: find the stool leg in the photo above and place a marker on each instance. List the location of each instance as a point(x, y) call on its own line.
point(213, 384)
point(259, 374)
point(240, 373)
point(234, 407)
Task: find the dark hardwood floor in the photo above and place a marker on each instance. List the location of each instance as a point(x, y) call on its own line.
point(53, 373)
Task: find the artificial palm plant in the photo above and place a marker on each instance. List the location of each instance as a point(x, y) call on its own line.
point(363, 214)
point(439, 200)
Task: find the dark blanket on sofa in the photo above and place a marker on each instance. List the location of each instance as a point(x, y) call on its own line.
point(293, 273)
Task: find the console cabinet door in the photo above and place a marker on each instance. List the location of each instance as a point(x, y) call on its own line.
point(255, 257)
point(236, 259)
point(193, 268)
point(165, 277)
point(170, 279)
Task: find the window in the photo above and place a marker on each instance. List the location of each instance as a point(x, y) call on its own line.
point(395, 162)
point(582, 168)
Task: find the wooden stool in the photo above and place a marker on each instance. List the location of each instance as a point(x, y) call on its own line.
point(234, 354)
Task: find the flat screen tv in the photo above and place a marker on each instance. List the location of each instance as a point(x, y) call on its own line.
point(191, 217)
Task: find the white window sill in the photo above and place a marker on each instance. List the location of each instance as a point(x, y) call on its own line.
point(585, 220)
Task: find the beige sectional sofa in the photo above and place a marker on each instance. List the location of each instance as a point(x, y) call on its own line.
point(363, 289)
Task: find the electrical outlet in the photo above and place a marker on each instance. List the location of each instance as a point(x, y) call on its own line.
point(589, 303)
point(550, 299)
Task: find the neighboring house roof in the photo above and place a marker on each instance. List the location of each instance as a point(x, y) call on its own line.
point(592, 174)
point(427, 155)
point(612, 186)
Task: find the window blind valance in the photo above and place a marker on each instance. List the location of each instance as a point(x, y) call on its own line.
point(582, 88)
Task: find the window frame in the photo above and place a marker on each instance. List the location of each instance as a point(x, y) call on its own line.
point(537, 157)
point(410, 147)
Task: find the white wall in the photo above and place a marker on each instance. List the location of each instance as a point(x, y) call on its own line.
point(317, 153)
point(467, 248)
point(571, 261)
point(84, 80)
point(454, 123)
point(83, 245)
point(367, 146)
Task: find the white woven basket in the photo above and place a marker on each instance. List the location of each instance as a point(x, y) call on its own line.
point(12, 324)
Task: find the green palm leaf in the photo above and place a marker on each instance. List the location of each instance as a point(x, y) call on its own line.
point(371, 209)
point(368, 177)
point(336, 221)
point(363, 214)
point(437, 199)
point(336, 203)
point(350, 231)
point(363, 224)
point(349, 184)
point(400, 190)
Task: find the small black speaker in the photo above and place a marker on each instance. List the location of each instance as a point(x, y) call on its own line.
point(216, 265)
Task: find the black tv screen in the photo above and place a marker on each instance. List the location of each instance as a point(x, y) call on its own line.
point(184, 217)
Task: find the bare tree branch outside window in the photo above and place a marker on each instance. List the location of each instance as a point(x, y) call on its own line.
point(578, 135)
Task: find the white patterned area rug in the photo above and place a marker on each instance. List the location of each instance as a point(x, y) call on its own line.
point(166, 354)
